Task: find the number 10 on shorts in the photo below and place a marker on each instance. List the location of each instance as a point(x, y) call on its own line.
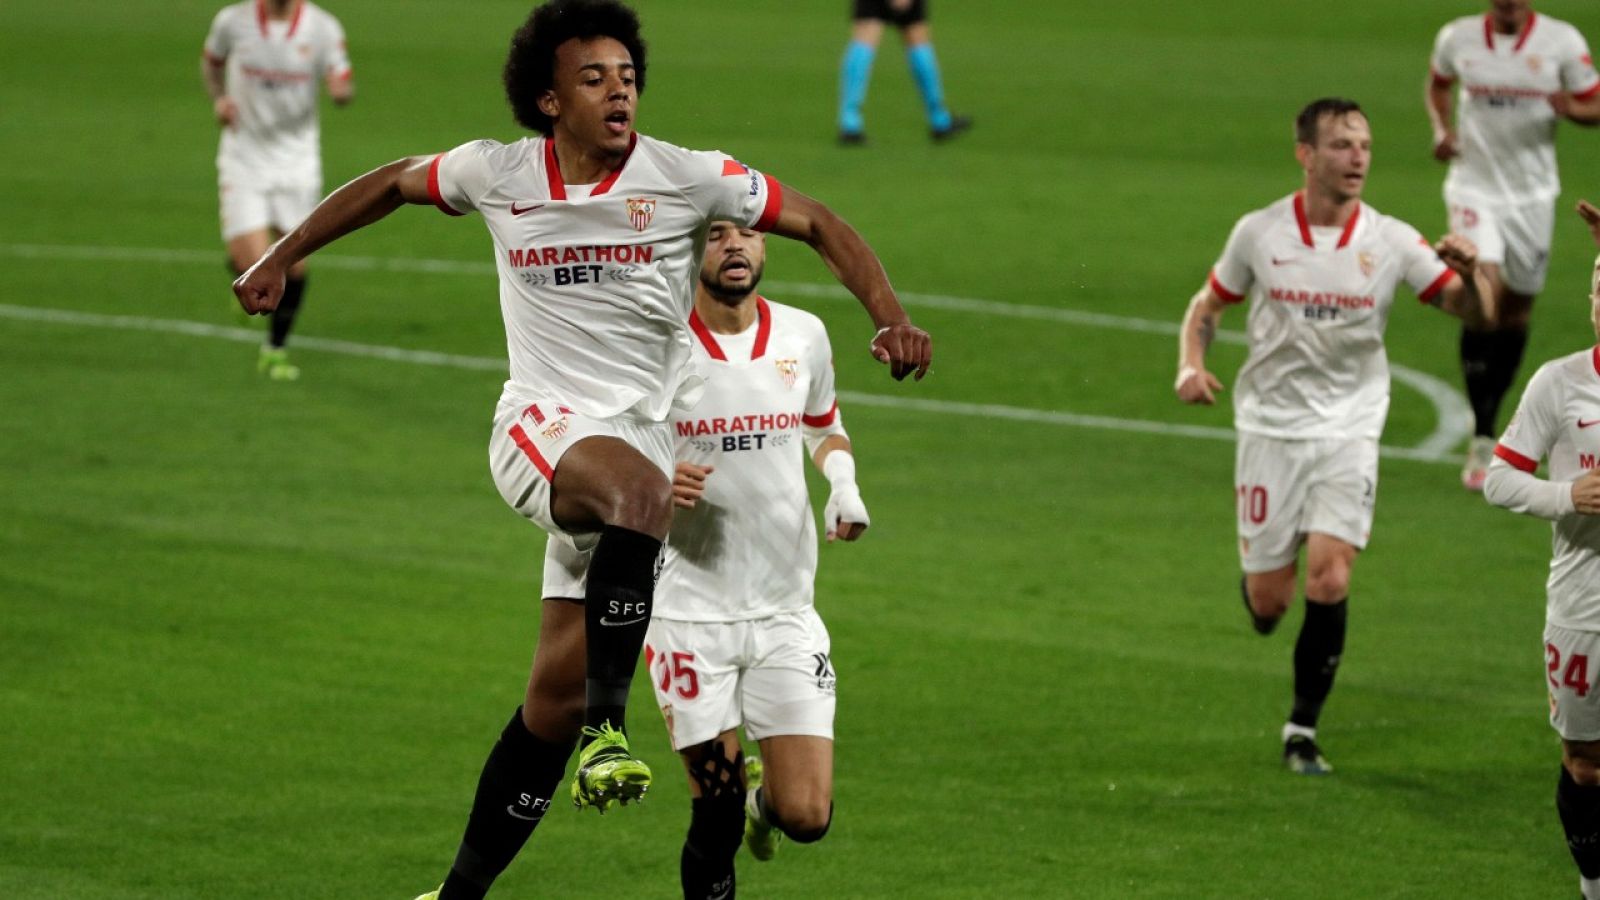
point(1252, 501)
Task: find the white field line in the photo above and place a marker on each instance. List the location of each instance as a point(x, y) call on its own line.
point(1454, 417)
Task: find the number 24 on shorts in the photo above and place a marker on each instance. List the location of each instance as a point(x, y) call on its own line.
point(1575, 675)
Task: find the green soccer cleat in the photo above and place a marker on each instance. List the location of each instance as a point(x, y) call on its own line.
point(431, 895)
point(607, 772)
point(1302, 757)
point(759, 835)
point(274, 363)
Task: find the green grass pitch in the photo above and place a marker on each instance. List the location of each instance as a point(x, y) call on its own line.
point(256, 638)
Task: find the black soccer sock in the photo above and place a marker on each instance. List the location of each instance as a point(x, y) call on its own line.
point(1316, 659)
point(514, 791)
point(1505, 356)
point(622, 578)
point(716, 824)
point(1579, 806)
point(294, 290)
point(1475, 352)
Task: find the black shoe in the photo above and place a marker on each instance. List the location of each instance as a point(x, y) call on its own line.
point(1302, 757)
point(852, 138)
point(1262, 624)
point(957, 125)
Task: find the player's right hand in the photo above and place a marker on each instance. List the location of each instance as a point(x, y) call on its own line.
point(905, 348)
point(1591, 217)
point(1444, 146)
point(260, 288)
point(1586, 493)
point(689, 484)
point(226, 111)
point(1196, 385)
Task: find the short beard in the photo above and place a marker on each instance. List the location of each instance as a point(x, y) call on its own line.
point(732, 296)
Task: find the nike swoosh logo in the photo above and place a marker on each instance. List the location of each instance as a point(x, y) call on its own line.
point(605, 621)
point(525, 209)
point(1583, 424)
point(1282, 262)
point(512, 812)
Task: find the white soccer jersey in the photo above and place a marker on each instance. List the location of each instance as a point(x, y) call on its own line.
point(274, 69)
point(1506, 128)
point(597, 281)
point(1320, 299)
point(748, 549)
point(1558, 420)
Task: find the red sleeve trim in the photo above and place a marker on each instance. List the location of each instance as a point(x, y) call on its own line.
point(823, 420)
point(769, 216)
point(212, 58)
point(1440, 80)
point(1515, 459)
point(346, 75)
point(433, 188)
point(529, 450)
point(1427, 294)
point(1584, 95)
point(1226, 295)
point(734, 167)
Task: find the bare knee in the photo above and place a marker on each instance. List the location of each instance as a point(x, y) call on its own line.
point(643, 505)
point(1270, 593)
point(807, 821)
point(1329, 582)
point(1581, 765)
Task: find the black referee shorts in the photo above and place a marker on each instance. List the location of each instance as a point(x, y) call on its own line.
point(880, 10)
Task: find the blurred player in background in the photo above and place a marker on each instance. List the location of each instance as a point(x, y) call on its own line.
point(1519, 74)
point(597, 232)
point(735, 639)
point(263, 63)
point(1320, 269)
point(1555, 421)
point(866, 29)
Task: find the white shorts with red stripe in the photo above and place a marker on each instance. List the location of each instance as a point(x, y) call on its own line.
point(773, 675)
point(1514, 236)
point(529, 440)
point(1285, 490)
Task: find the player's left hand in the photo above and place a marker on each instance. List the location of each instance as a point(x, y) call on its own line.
point(260, 288)
point(845, 515)
point(1459, 253)
point(905, 348)
point(689, 484)
point(1591, 217)
point(1561, 102)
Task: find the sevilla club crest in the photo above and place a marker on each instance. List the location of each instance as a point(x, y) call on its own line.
point(788, 370)
point(640, 211)
point(1367, 262)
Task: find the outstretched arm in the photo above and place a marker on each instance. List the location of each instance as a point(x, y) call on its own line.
point(903, 346)
point(1468, 297)
point(356, 205)
point(1199, 329)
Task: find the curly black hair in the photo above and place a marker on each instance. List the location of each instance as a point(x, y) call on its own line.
point(530, 67)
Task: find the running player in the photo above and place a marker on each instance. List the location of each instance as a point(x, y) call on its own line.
point(597, 232)
point(1320, 269)
point(1519, 74)
point(1555, 422)
point(855, 72)
point(262, 65)
point(735, 638)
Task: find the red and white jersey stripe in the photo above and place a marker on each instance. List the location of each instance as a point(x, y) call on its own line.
point(1558, 420)
point(749, 547)
point(1506, 128)
point(274, 70)
point(597, 281)
point(1319, 303)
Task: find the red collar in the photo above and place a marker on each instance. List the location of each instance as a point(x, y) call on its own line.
point(1305, 224)
point(1522, 38)
point(294, 17)
point(1595, 357)
point(714, 349)
point(552, 169)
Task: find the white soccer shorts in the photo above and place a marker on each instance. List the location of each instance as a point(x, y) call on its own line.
point(527, 444)
point(1284, 490)
point(1572, 663)
point(1514, 236)
point(772, 675)
point(255, 204)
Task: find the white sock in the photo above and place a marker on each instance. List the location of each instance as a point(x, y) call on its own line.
point(1590, 887)
point(1290, 730)
point(752, 808)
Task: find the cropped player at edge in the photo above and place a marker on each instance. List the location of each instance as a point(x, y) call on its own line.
point(735, 639)
point(262, 64)
point(1520, 74)
point(596, 234)
point(1320, 269)
point(1555, 422)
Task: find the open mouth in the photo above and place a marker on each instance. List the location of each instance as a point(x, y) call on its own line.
point(735, 268)
point(618, 122)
